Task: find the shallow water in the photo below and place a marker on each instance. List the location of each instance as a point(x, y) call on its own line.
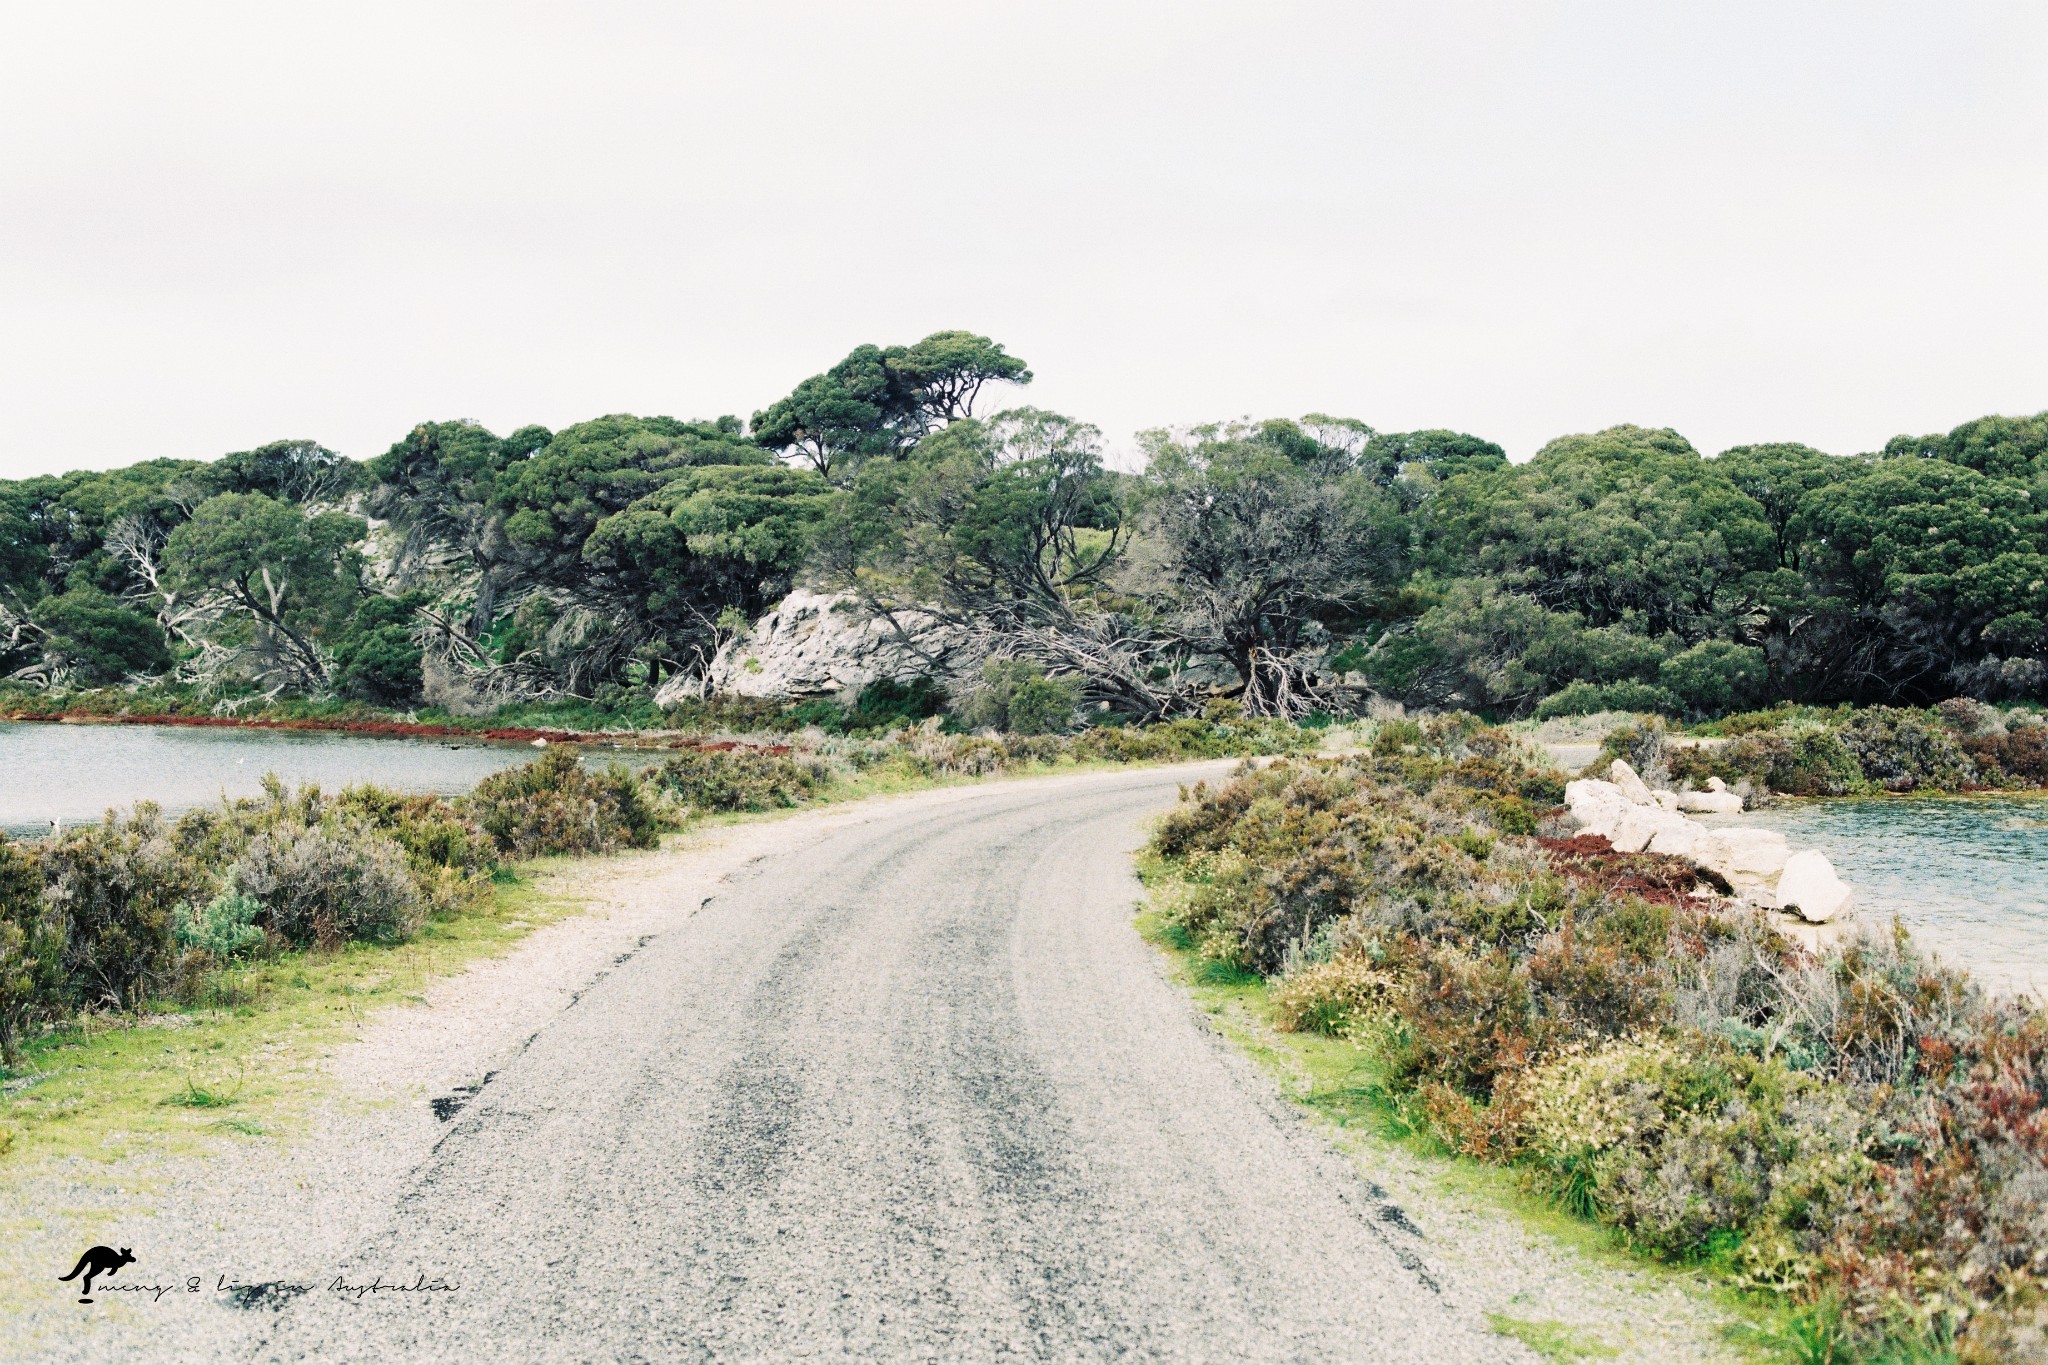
point(73, 773)
point(1967, 874)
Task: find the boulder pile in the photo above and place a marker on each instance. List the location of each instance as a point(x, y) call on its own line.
point(1757, 863)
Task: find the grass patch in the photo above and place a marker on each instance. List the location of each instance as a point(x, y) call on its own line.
point(1552, 1340)
point(104, 1085)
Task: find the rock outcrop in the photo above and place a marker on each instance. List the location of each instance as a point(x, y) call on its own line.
point(1750, 859)
point(1758, 864)
point(1810, 886)
point(1715, 800)
point(825, 645)
point(1631, 783)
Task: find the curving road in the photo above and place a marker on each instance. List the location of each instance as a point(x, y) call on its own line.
point(908, 1089)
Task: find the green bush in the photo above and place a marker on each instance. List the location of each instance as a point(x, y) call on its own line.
point(98, 641)
point(32, 985)
point(552, 805)
point(1715, 675)
point(1804, 762)
point(1589, 699)
point(118, 887)
point(377, 659)
point(711, 779)
point(224, 928)
point(330, 883)
point(448, 855)
point(890, 701)
point(1016, 697)
point(1904, 750)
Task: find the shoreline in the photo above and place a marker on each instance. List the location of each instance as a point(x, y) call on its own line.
point(401, 729)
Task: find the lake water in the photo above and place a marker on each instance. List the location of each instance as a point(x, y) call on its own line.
point(73, 773)
point(1968, 875)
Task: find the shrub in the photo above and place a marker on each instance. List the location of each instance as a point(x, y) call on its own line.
point(1588, 699)
point(890, 701)
point(118, 887)
point(224, 928)
point(552, 805)
point(1016, 697)
point(377, 659)
point(329, 883)
point(31, 952)
point(1331, 997)
point(1903, 750)
point(1806, 762)
point(1714, 675)
point(447, 853)
point(740, 779)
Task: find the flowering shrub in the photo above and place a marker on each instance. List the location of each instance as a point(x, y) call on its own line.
point(1866, 1128)
point(1332, 997)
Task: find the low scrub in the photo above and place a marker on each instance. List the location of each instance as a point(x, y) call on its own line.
point(554, 805)
point(115, 916)
point(1865, 1132)
point(739, 779)
point(1961, 745)
point(329, 882)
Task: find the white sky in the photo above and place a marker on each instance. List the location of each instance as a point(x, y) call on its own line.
point(224, 224)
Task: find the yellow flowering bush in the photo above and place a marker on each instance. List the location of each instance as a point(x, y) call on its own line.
point(1587, 1100)
point(1333, 997)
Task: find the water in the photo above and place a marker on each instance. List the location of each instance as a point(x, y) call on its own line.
point(1968, 875)
point(74, 773)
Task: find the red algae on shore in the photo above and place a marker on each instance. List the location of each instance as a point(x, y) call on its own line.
point(402, 729)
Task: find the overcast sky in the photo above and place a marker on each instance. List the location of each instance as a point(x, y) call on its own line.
point(224, 224)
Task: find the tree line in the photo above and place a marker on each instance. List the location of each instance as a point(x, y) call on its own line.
point(1291, 565)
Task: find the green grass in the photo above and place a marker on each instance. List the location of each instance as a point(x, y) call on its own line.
point(1551, 1339)
point(106, 1086)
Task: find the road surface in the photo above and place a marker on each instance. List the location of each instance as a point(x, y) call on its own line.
point(909, 1088)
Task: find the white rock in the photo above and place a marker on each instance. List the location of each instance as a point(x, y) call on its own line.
point(1597, 806)
point(1646, 827)
point(1632, 786)
point(1715, 784)
point(821, 645)
point(1668, 800)
point(1677, 836)
point(1711, 802)
point(1751, 860)
point(1810, 885)
point(1601, 808)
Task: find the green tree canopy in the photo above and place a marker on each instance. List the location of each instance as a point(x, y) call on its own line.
point(96, 641)
point(1259, 538)
point(883, 400)
point(714, 540)
point(297, 579)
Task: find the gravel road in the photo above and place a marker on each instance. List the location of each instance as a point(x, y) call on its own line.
point(906, 1086)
